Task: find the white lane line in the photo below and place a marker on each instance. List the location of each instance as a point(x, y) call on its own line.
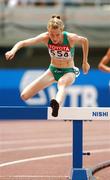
point(35, 159)
point(28, 141)
point(26, 148)
point(98, 150)
point(22, 176)
point(93, 143)
point(48, 157)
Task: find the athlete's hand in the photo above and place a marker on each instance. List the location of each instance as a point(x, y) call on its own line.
point(9, 55)
point(85, 67)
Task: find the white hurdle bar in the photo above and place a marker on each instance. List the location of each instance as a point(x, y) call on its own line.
point(65, 113)
point(77, 114)
point(81, 113)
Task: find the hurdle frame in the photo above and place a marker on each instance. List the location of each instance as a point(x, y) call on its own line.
point(76, 114)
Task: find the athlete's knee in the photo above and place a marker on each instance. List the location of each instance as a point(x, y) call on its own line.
point(61, 87)
point(23, 96)
point(61, 82)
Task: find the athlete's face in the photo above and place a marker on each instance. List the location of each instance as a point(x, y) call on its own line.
point(55, 35)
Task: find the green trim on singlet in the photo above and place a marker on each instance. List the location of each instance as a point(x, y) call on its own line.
point(65, 42)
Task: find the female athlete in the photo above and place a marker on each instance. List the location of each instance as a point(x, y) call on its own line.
point(61, 45)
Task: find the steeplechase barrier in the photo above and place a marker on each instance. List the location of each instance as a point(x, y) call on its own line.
point(77, 114)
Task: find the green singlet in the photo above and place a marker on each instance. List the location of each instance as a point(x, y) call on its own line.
point(61, 51)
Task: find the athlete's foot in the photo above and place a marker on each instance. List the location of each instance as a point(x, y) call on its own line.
point(55, 107)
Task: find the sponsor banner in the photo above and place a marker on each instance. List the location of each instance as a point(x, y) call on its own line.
point(91, 90)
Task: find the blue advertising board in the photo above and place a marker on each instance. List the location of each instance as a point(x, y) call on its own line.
point(88, 90)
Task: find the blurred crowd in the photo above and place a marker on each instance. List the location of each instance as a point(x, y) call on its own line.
point(12, 3)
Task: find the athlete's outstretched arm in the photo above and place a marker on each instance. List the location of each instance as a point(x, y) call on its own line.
point(80, 40)
point(29, 42)
point(104, 61)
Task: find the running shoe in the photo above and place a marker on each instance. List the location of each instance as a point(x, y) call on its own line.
point(55, 107)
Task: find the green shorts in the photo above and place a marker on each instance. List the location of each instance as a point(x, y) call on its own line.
point(59, 72)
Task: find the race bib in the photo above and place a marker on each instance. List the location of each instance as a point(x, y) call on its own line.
point(60, 52)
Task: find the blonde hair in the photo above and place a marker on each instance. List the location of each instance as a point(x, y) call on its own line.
point(55, 22)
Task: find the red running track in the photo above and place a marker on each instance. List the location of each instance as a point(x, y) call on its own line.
point(42, 149)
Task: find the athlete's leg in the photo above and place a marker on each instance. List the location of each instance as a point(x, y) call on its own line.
point(40, 83)
point(66, 80)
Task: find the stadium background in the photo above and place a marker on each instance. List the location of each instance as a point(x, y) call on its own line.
point(29, 18)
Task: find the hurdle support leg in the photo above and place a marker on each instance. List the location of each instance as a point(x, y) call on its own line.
point(78, 172)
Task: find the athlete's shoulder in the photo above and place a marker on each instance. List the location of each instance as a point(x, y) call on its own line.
point(108, 53)
point(44, 36)
point(72, 35)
